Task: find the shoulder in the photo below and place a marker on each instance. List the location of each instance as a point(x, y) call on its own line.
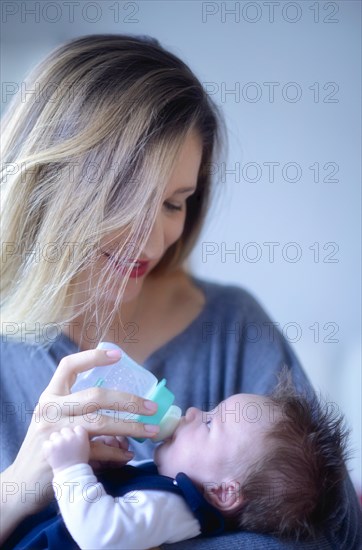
point(230, 298)
point(249, 338)
point(20, 360)
point(32, 345)
point(15, 353)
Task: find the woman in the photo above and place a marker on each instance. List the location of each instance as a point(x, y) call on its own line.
point(106, 187)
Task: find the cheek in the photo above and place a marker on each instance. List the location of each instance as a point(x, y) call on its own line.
point(175, 228)
point(172, 456)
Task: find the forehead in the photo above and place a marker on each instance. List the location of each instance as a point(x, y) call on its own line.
point(246, 408)
point(188, 162)
point(244, 399)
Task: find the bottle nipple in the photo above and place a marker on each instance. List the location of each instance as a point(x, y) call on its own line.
point(168, 423)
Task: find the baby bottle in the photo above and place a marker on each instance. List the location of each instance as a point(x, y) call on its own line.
point(127, 376)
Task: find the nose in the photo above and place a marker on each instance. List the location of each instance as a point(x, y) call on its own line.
point(155, 246)
point(191, 414)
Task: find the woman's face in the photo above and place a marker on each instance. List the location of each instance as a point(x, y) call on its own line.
point(168, 226)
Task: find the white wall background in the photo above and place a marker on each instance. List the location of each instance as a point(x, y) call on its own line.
point(311, 52)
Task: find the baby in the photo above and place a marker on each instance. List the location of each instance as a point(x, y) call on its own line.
point(268, 464)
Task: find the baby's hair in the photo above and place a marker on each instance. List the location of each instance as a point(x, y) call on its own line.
point(293, 491)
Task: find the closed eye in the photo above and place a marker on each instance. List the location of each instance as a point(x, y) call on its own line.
point(208, 423)
point(172, 207)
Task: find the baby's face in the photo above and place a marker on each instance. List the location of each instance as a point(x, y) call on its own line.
point(218, 445)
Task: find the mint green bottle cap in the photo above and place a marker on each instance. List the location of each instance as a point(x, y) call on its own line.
point(164, 398)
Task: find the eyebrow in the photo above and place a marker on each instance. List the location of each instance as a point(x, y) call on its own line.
point(184, 190)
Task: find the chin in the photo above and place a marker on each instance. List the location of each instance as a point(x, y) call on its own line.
point(156, 455)
point(131, 291)
point(160, 460)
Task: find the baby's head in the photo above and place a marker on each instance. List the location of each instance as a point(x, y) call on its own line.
point(271, 464)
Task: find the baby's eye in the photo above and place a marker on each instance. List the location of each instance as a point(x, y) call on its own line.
point(208, 423)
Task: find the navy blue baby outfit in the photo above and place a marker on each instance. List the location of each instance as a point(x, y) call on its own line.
point(50, 532)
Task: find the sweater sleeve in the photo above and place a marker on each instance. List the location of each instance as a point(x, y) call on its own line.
point(138, 520)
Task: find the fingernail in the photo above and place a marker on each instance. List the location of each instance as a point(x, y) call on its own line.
point(129, 454)
point(113, 353)
point(150, 405)
point(152, 428)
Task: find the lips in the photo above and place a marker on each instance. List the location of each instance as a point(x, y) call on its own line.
point(135, 263)
point(139, 267)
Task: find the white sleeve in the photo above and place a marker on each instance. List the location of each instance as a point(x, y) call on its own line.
point(136, 521)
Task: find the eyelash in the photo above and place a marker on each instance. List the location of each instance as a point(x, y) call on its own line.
point(173, 207)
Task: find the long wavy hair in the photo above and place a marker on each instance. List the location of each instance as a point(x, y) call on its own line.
point(90, 152)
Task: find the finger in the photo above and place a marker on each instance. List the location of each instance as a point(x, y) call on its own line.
point(47, 446)
point(104, 453)
point(95, 398)
point(110, 440)
point(55, 436)
point(81, 431)
point(122, 442)
point(67, 433)
point(98, 424)
point(71, 365)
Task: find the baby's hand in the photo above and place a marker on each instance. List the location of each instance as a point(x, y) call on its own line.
point(68, 447)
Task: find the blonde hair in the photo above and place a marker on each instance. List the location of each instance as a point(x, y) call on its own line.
point(89, 153)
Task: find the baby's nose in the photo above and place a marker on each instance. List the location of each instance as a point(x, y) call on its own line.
point(191, 414)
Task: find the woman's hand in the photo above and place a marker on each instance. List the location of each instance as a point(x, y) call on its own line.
point(119, 442)
point(57, 408)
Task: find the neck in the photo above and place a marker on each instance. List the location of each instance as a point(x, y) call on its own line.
point(84, 329)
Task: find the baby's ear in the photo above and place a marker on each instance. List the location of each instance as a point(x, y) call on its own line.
point(225, 496)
